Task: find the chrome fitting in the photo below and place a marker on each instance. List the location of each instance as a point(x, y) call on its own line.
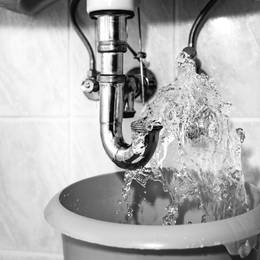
point(112, 34)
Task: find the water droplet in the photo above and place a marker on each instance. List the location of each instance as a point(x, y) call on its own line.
point(245, 249)
point(203, 219)
point(241, 134)
point(130, 212)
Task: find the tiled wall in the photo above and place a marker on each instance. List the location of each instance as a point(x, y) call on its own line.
point(49, 134)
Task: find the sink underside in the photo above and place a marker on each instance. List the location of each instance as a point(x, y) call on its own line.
point(25, 6)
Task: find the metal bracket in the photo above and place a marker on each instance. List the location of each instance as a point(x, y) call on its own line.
point(150, 83)
point(90, 88)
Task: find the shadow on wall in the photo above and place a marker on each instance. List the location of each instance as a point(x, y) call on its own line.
point(161, 11)
point(25, 6)
point(222, 8)
point(48, 13)
point(252, 173)
point(154, 11)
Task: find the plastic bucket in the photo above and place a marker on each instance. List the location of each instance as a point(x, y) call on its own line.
point(86, 213)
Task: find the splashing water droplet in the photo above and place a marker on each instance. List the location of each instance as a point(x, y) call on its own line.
point(203, 219)
point(130, 212)
point(171, 216)
point(245, 249)
point(241, 134)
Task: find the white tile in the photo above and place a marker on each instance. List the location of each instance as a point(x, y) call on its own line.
point(23, 255)
point(34, 62)
point(34, 163)
point(87, 154)
point(157, 19)
point(79, 64)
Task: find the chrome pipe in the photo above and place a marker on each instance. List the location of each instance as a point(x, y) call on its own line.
point(112, 44)
point(112, 63)
point(112, 33)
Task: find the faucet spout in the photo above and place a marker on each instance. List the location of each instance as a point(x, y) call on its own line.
point(145, 135)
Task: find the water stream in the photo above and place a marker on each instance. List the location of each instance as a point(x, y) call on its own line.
point(198, 158)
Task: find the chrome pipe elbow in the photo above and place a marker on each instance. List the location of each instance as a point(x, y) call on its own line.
point(145, 135)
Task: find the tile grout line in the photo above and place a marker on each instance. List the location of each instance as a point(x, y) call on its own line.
point(245, 119)
point(70, 117)
point(31, 119)
point(174, 19)
point(29, 254)
point(176, 39)
point(175, 25)
point(70, 97)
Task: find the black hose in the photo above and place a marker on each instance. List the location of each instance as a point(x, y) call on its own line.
point(198, 23)
point(132, 51)
point(73, 10)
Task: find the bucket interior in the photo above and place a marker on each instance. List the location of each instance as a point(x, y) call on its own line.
point(99, 198)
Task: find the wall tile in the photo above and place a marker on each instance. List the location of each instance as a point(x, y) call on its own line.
point(87, 154)
point(34, 62)
point(79, 65)
point(228, 47)
point(157, 18)
point(34, 163)
point(20, 255)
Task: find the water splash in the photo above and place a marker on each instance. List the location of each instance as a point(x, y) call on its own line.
point(198, 148)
